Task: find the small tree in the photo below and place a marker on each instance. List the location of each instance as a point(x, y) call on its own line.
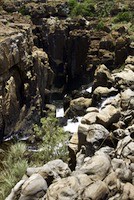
point(54, 140)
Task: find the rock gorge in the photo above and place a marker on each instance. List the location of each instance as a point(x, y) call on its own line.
point(45, 53)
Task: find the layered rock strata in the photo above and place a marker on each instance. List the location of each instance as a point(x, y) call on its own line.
point(25, 75)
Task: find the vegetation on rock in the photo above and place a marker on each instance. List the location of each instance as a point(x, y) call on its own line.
point(13, 167)
point(53, 138)
point(85, 8)
point(51, 142)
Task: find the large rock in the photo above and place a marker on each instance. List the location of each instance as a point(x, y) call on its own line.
point(92, 109)
point(124, 79)
point(127, 99)
point(102, 92)
point(78, 107)
point(91, 136)
point(121, 50)
point(113, 100)
point(51, 170)
point(128, 192)
point(129, 60)
point(89, 118)
point(69, 188)
point(34, 187)
point(122, 170)
point(113, 183)
point(102, 77)
point(96, 167)
point(77, 187)
point(15, 191)
point(107, 43)
point(125, 148)
point(96, 191)
point(108, 115)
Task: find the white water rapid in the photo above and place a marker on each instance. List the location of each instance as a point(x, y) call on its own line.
point(59, 112)
point(106, 101)
point(71, 126)
point(89, 89)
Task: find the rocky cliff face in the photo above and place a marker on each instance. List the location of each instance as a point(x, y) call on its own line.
point(101, 151)
point(25, 75)
point(74, 48)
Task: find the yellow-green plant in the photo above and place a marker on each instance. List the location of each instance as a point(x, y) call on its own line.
point(126, 16)
point(54, 140)
point(85, 8)
point(13, 167)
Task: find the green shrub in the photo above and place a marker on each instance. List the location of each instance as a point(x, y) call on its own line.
point(123, 16)
point(104, 7)
point(100, 26)
point(85, 8)
point(54, 140)
point(72, 4)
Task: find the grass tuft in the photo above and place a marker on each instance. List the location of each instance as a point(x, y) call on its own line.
point(13, 167)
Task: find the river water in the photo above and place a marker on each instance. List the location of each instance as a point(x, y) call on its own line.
point(72, 125)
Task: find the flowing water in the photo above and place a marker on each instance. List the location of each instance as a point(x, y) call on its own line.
point(106, 101)
point(72, 124)
point(59, 111)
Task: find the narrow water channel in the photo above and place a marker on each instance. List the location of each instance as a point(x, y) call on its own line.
point(72, 124)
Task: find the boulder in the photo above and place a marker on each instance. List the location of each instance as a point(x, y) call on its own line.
point(34, 187)
point(92, 137)
point(107, 43)
point(69, 188)
point(89, 118)
point(106, 58)
point(113, 183)
point(128, 192)
point(96, 167)
point(127, 99)
point(124, 79)
point(129, 60)
point(73, 143)
point(112, 100)
point(119, 133)
point(15, 191)
point(125, 148)
point(78, 107)
point(77, 187)
point(73, 149)
point(107, 116)
point(102, 77)
point(51, 170)
point(96, 191)
point(101, 92)
point(122, 170)
point(121, 50)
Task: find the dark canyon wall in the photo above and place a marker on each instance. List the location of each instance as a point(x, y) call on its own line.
point(71, 51)
point(25, 76)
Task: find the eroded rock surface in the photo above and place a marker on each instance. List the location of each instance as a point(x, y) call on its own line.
point(102, 150)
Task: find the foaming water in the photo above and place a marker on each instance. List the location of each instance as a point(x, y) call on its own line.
point(89, 89)
point(71, 126)
point(106, 101)
point(59, 112)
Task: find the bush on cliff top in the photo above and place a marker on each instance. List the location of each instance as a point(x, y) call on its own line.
point(85, 8)
point(124, 17)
